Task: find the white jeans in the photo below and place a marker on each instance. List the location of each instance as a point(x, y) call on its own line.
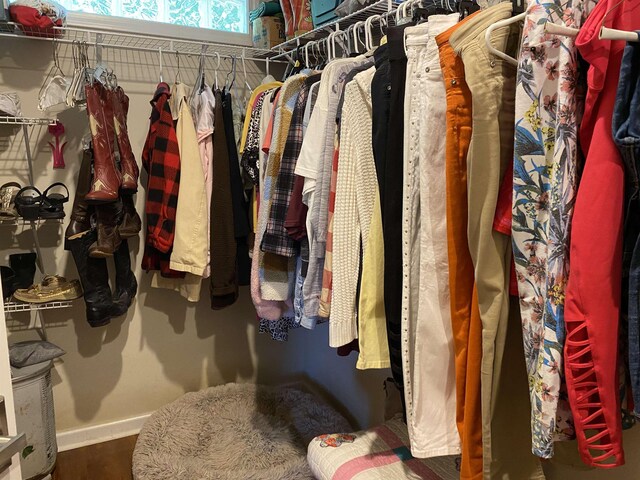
point(427, 338)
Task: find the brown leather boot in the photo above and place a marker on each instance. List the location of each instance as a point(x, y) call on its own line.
point(108, 217)
point(128, 165)
point(81, 213)
point(107, 179)
point(131, 222)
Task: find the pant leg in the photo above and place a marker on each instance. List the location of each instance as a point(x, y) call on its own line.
point(429, 373)
point(492, 85)
point(465, 314)
point(392, 203)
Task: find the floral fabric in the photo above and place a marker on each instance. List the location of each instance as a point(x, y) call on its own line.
point(549, 105)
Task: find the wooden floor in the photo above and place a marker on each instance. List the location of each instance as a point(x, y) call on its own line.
point(103, 461)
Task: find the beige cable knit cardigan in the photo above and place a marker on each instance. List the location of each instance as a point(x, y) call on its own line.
point(356, 189)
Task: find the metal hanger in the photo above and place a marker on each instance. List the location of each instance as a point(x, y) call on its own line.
point(229, 86)
point(160, 70)
point(215, 70)
point(178, 70)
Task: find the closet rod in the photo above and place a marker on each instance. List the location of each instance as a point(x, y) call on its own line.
point(149, 39)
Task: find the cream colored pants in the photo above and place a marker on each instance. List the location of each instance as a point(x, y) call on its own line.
point(505, 420)
point(427, 337)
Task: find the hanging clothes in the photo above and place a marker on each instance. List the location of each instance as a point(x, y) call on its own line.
point(355, 200)
point(161, 160)
point(239, 203)
point(428, 359)
point(277, 273)
point(627, 139)
point(314, 164)
point(491, 82)
point(223, 288)
point(203, 106)
point(593, 293)
point(465, 312)
point(191, 243)
point(547, 159)
point(392, 204)
point(324, 308)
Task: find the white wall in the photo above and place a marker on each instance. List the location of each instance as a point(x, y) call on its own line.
point(165, 346)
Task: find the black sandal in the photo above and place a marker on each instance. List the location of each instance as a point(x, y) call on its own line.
point(51, 206)
point(28, 205)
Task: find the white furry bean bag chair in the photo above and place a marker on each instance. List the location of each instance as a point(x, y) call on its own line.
point(234, 432)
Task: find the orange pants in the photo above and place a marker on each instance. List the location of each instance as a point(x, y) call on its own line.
point(465, 313)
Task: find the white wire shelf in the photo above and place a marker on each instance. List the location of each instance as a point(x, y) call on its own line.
point(21, 222)
point(30, 307)
point(116, 39)
point(379, 7)
point(6, 120)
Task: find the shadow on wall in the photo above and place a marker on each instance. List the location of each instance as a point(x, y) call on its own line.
point(164, 346)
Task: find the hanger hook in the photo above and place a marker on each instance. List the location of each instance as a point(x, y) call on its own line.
point(178, 63)
point(160, 58)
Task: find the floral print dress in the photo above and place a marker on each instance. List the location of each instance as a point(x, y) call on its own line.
point(549, 105)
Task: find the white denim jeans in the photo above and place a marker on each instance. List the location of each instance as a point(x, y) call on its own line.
point(427, 337)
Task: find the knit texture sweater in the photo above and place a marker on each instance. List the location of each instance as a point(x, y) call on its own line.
point(356, 189)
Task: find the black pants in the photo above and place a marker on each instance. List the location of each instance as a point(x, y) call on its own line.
point(381, 100)
point(240, 204)
point(392, 204)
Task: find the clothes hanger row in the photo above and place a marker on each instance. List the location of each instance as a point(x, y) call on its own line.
point(605, 32)
point(200, 77)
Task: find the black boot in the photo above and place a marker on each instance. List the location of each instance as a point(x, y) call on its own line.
point(24, 266)
point(94, 278)
point(126, 284)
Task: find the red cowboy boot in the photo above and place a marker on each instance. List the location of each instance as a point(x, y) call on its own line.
point(128, 165)
point(107, 179)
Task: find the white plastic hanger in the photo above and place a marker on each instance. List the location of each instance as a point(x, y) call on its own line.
point(368, 34)
point(502, 23)
point(244, 72)
point(306, 55)
point(554, 29)
point(613, 34)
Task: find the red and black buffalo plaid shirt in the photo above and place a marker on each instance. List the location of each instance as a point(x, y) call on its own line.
point(161, 160)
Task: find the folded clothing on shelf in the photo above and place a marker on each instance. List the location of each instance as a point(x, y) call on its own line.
point(38, 17)
point(265, 9)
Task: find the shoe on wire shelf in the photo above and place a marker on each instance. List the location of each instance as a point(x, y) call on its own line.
point(53, 288)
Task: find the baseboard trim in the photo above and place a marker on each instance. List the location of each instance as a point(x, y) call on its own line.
point(82, 437)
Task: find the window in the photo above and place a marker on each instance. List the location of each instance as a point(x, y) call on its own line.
point(223, 15)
